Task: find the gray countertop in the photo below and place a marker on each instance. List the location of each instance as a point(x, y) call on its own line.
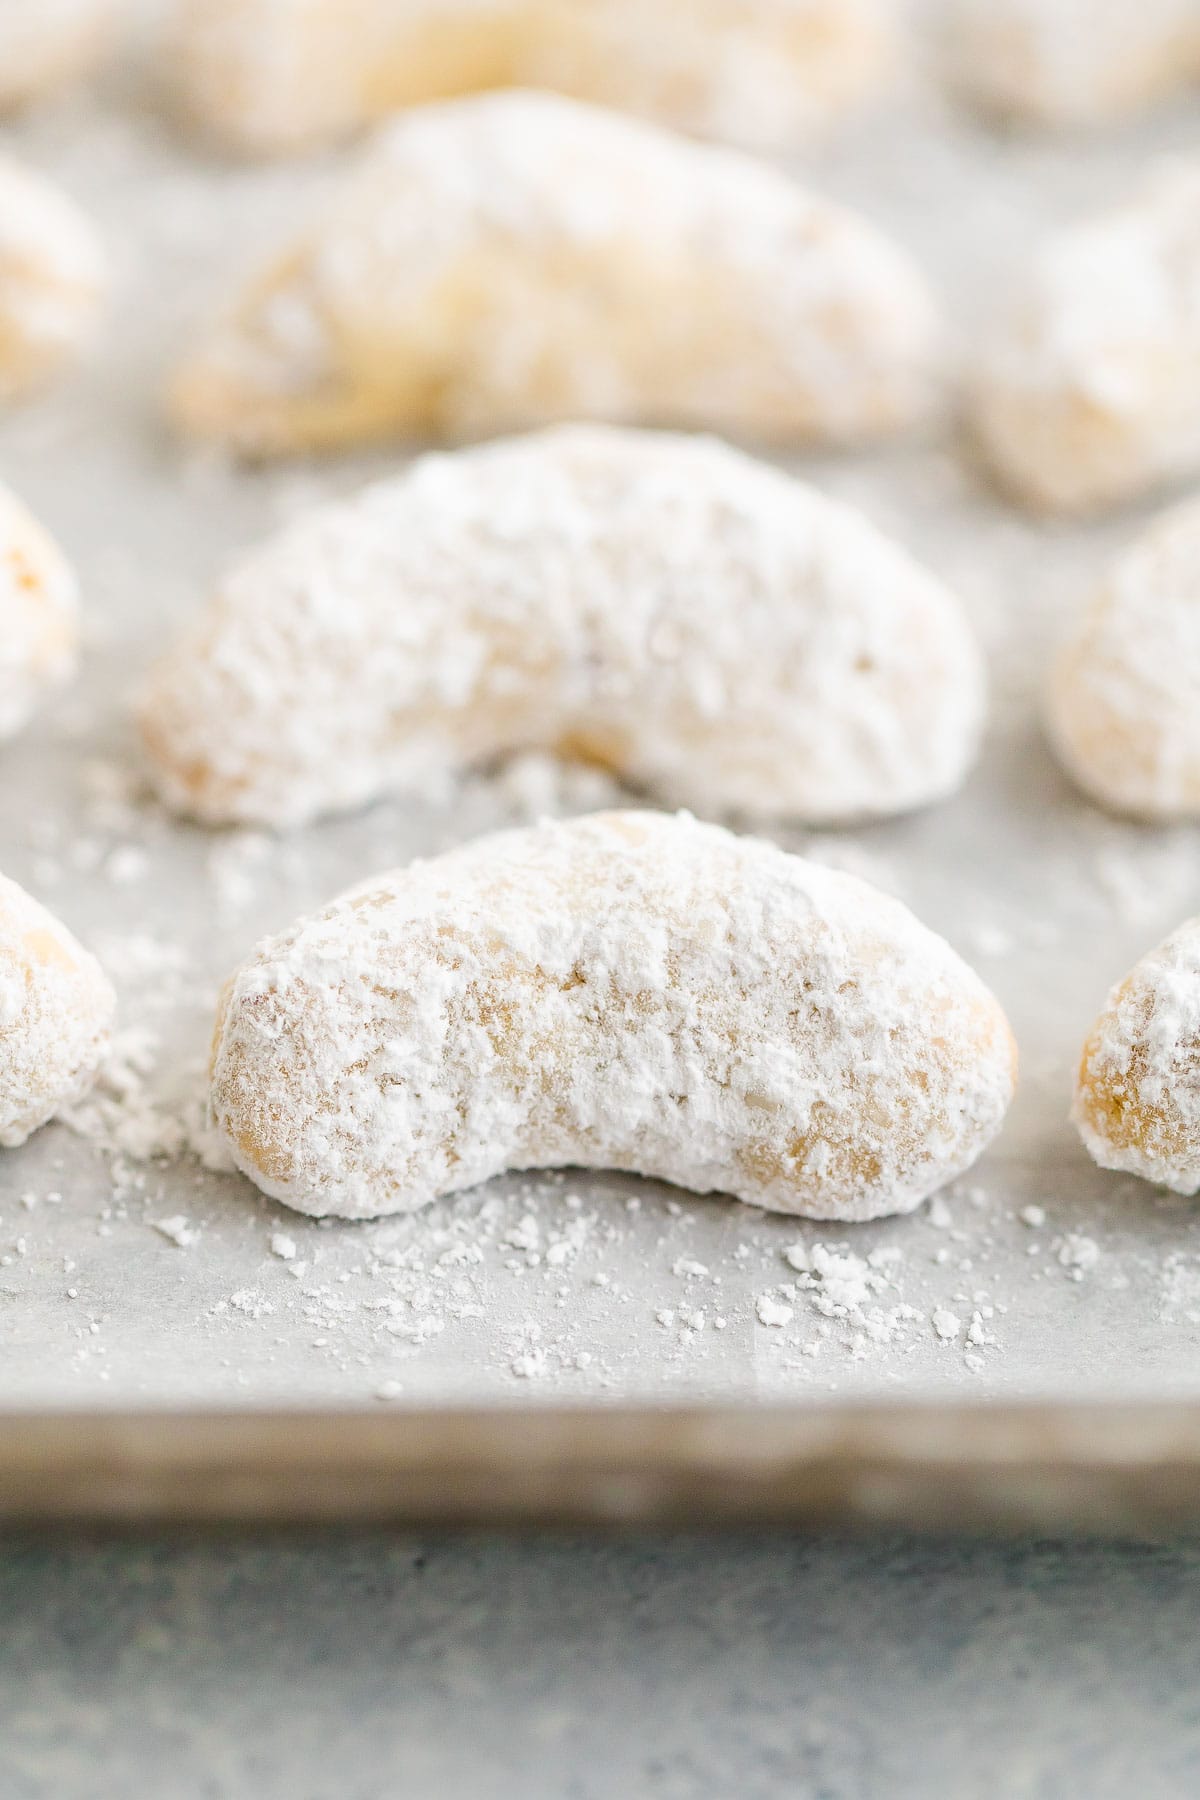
point(356, 1668)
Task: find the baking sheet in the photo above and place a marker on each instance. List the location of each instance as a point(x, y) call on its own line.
point(126, 1281)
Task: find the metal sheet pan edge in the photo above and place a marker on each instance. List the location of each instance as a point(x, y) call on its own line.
point(1098, 1468)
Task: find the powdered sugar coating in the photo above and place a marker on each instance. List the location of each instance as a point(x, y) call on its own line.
point(627, 991)
point(1089, 391)
point(56, 1008)
point(696, 621)
point(520, 258)
point(44, 44)
point(269, 75)
point(39, 615)
point(51, 279)
point(1137, 1104)
point(1122, 707)
point(1072, 62)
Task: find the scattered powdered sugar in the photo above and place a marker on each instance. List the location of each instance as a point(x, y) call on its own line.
point(235, 865)
point(249, 1301)
point(178, 1229)
point(1138, 879)
point(1077, 1254)
point(1179, 1289)
point(857, 1294)
point(121, 1114)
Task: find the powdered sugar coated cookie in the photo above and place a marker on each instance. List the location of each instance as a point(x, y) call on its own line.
point(56, 1008)
point(1088, 393)
point(51, 280)
point(520, 258)
point(1071, 62)
point(693, 620)
point(269, 75)
point(1122, 705)
point(628, 991)
point(45, 44)
point(1137, 1103)
point(39, 615)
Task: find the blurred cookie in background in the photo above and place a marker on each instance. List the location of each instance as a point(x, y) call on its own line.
point(46, 45)
point(52, 280)
point(269, 76)
point(1070, 62)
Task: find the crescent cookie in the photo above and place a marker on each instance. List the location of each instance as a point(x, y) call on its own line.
point(271, 75)
point(51, 280)
point(1137, 1103)
point(1088, 393)
point(46, 44)
point(694, 620)
point(1123, 709)
point(628, 991)
point(56, 1008)
point(521, 258)
point(1072, 62)
point(39, 615)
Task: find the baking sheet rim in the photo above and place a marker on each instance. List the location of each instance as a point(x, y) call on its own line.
point(1045, 1466)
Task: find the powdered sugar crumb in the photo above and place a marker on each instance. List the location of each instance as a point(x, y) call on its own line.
point(772, 1312)
point(1077, 1254)
point(178, 1229)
